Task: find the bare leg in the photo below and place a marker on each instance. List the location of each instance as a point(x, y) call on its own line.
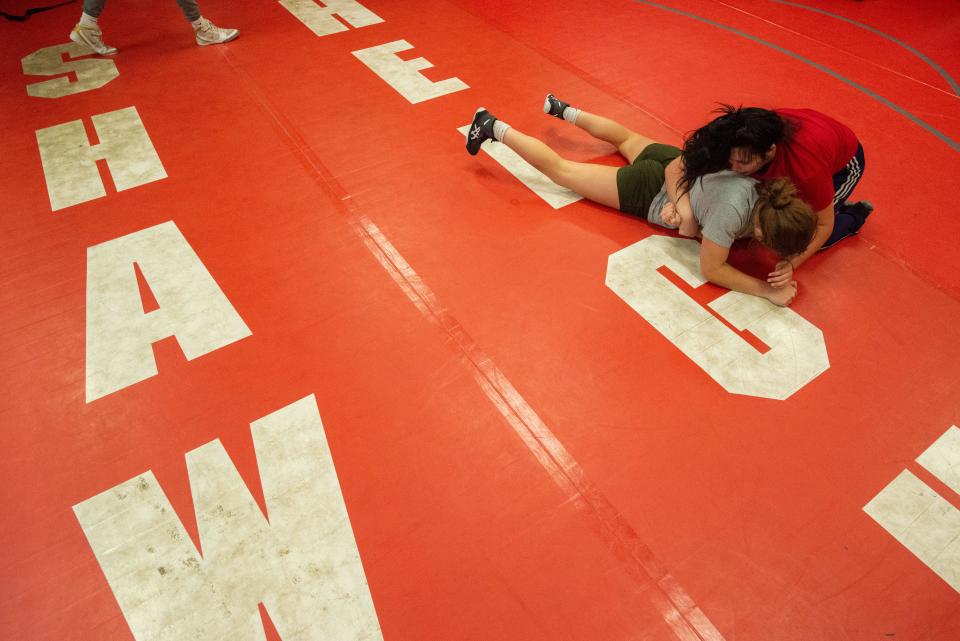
point(628, 143)
point(594, 182)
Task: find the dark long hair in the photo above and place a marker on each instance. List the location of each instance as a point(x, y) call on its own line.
point(707, 150)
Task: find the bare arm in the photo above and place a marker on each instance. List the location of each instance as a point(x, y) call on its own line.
point(672, 175)
point(783, 272)
point(688, 226)
point(820, 236)
point(672, 218)
point(714, 267)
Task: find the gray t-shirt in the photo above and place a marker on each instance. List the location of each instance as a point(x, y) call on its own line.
point(722, 204)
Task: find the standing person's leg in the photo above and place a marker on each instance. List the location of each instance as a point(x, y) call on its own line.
point(190, 9)
point(93, 8)
point(848, 217)
point(206, 32)
point(87, 31)
point(594, 182)
point(629, 143)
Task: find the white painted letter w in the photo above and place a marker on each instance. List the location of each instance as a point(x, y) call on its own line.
point(303, 565)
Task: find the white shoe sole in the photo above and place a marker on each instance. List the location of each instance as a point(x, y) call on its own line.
point(204, 43)
point(80, 40)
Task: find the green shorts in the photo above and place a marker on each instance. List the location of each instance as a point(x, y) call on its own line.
point(639, 182)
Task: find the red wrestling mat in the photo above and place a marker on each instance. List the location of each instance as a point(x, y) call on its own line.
point(466, 422)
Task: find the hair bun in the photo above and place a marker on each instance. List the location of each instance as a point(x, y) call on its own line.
point(779, 192)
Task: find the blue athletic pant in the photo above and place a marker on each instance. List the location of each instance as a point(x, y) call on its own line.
point(843, 183)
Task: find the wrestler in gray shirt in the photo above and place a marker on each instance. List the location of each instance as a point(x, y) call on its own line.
point(722, 203)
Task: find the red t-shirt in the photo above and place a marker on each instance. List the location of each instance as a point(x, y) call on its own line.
point(820, 147)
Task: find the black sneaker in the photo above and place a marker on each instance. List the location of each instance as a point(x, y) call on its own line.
point(481, 129)
point(860, 211)
point(553, 106)
point(856, 214)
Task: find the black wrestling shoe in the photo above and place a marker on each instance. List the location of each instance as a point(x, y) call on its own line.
point(553, 106)
point(481, 129)
point(860, 211)
point(848, 222)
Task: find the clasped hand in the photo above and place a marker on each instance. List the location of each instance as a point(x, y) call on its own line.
point(781, 274)
point(670, 215)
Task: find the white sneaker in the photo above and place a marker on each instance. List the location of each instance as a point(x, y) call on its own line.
point(93, 38)
point(210, 34)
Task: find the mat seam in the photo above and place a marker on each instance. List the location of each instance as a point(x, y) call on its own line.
point(686, 609)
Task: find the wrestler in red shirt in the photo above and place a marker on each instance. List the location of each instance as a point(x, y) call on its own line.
point(820, 155)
